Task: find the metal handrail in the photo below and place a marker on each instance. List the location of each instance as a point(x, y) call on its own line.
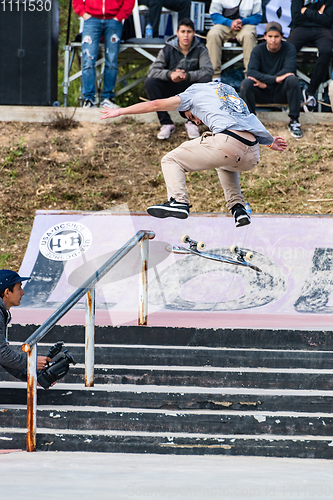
point(88, 287)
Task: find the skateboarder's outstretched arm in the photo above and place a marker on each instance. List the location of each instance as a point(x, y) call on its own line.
point(168, 104)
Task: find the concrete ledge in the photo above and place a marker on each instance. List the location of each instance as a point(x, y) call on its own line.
point(44, 114)
point(92, 115)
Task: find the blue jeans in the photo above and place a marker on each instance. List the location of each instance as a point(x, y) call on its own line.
point(93, 29)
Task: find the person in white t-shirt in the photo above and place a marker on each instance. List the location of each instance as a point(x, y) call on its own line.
point(233, 19)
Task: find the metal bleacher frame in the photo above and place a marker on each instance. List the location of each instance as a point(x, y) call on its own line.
point(140, 54)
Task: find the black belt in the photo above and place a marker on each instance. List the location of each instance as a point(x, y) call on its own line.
point(239, 138)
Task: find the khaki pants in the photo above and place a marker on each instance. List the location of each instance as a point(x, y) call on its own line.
point(222, 152)
point(219, 34)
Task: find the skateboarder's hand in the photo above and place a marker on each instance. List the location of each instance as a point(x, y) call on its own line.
point(109, 112)
point(279, 144)
point(192, 117)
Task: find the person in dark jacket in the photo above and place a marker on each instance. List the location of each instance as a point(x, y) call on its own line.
point(11, 294)
point(272, 76)
point(101, 18)
point(311, 25)
point(182, 62)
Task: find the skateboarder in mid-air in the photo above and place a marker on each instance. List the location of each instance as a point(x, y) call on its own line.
point(231, 146)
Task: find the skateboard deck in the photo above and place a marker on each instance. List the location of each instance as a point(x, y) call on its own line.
point(196, 247)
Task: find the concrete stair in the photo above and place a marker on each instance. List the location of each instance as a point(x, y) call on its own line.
point(182, 391)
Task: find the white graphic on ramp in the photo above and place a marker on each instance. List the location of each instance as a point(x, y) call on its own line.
point(65, 241)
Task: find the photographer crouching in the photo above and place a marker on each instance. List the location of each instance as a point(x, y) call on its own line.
point(13, 362)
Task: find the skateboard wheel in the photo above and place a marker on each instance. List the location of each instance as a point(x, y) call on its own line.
point(249, 255)
point(234, 249)
point(201, 245)
point(185, 238)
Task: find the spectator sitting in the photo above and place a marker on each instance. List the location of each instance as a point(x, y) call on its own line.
point(101, 17)
point(183, 7)
point(183, 61)
point(311, 23)
point(233, 19)
point(272, 76)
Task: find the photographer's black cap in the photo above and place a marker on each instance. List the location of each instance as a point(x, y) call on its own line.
point(9, 278)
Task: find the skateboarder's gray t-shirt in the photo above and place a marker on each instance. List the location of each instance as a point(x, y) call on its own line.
point(219, 107)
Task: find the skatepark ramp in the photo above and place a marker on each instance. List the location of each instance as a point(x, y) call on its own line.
point(183, 391)
point(232, 361)
point(293, 291)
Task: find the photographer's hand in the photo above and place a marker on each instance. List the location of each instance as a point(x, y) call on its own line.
point(42, 361)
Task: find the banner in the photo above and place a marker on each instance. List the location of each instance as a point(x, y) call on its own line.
point(278, 11)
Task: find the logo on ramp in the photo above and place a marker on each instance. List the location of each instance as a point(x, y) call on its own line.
point(65, 241)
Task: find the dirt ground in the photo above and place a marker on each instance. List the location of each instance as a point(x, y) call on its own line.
point(99, 166)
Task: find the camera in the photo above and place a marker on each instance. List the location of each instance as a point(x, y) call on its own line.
point(58, 368)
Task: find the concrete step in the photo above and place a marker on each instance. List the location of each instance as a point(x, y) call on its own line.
point(173, 421)
point(177, 443)
point(183, 391)
point(206, 337)
point(175, 398)
point(207, 377)
point(204, 376)
point(195, 356)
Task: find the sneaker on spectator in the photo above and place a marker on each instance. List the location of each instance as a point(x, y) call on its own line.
point(88, 103)
point(165, 131)
point(171, 208)
point(241, 216)
point(309, 102)
point(294, 128)
point(108, 103)
point(192, 130)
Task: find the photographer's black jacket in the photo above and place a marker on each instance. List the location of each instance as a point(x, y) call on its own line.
point(13, 362)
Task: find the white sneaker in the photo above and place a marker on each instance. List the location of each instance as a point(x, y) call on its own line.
point(109, 104)
point(165, 131)
point(309, 102)
point(192, 130)
point(88, 103)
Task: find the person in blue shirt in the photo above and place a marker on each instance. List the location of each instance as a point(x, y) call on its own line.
point(233, 19)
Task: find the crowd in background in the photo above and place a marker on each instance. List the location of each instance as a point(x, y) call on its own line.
point(269, 71)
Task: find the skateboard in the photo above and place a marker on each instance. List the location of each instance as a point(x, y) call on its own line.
point(196, 247)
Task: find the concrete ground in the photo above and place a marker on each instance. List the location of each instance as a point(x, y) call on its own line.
point(99, 476)
point(103, 476)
